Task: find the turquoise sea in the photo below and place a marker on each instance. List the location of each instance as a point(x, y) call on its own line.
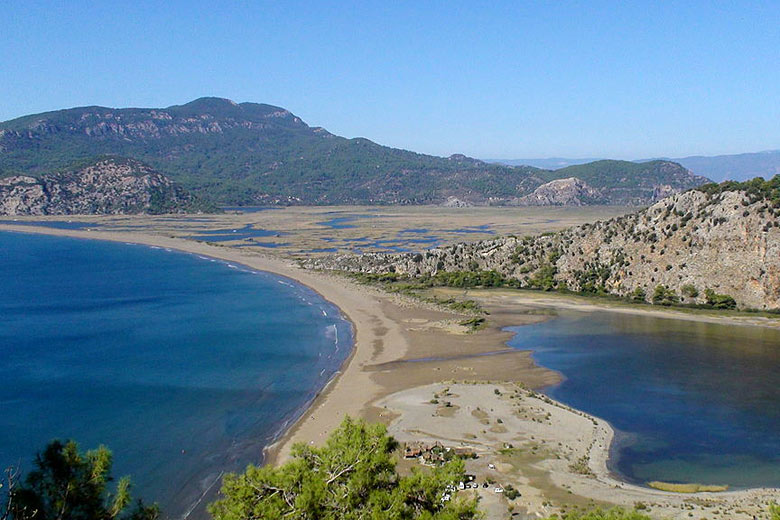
point(691, 401)
point(186, 367)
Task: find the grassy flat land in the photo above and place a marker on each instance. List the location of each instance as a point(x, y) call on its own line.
point(305, 230)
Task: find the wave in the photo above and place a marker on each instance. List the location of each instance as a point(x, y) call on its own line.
point(332, 333)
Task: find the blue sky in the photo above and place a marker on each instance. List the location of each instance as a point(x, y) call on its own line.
point(488, 79)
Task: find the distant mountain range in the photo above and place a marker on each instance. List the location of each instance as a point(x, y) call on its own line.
point(737, 167)
point(549, 163)
point(253, 153)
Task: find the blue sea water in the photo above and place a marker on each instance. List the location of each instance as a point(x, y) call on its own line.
point(691, 401)
point(186, 367)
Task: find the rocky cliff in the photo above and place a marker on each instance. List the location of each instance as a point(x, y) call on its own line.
point(106, 186)
point(702, 246)
point(562, 192)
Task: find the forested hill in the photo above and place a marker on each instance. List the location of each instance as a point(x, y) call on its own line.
point(251, 153)
point(717, 245)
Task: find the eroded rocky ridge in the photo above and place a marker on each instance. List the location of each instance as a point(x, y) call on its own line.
point(563, 192)
point(721, 238)
point(108, 186)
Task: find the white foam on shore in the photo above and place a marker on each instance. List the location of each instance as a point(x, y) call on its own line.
point(332, 332)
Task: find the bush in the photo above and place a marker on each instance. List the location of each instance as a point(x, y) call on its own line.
point(604, 514)
point(689, 290)
point(475, 323)
point(544, 278)
point(639, 295)
point(719, 301)
point(664, 296)
point(510, 492)
point(466, 279)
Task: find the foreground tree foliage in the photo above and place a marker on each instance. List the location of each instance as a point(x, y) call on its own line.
point(69, 485)
point(353, 476)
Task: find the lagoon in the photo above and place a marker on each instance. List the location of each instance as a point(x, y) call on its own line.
point(690, 401)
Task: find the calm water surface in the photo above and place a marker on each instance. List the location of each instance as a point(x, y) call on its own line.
point(185, 367)
point(692, 402)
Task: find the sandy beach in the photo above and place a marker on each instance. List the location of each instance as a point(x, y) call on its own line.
point(405, 353)
point(389, 331)
point(554, 455)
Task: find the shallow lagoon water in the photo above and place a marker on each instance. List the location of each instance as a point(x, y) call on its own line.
point(56, 224)
point(231, 234)
point(691, 401)
point(185, 367)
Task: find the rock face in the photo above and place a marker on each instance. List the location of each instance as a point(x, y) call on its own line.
point(634, 184)
point(108, 186)
point(723, 239)
point(563, 192)
point(454, 202)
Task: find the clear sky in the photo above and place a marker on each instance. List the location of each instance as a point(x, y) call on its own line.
point(514, 79)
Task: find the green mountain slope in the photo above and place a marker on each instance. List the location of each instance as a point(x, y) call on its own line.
point(632, 183)
point(252, 153)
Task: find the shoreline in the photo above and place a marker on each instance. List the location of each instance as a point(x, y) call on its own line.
point(366, 310)
point(347, 300)
point(545, 300)
point(532, 442)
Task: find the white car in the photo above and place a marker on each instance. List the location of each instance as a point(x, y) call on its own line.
point(492, 466)
point(498, 490)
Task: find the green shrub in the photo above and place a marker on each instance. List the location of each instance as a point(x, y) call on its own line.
point(719, 301)
point(664, 296)
point(604, 514)
point(544, 278)
point(467, 279)
point(639, 295)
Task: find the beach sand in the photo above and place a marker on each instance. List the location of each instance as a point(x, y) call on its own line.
point(393, 338)
point(554, 455)
point(405, 350)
